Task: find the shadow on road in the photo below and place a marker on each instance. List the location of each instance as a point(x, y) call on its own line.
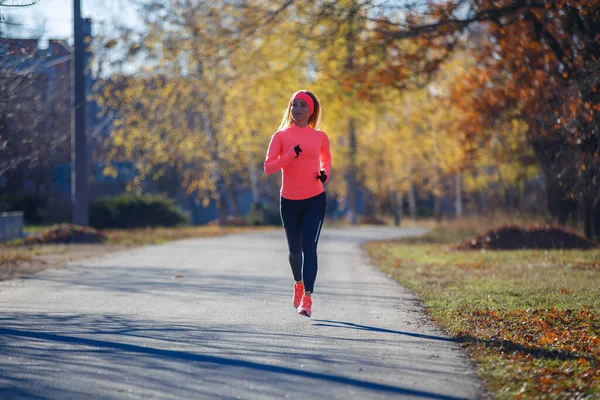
point(161, 282)
point(350, 325)
point(62, 356)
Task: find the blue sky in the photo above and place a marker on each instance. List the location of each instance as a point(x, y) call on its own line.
point(54, 18)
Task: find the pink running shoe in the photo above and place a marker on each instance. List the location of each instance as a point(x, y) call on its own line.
point(305, 307)
point(298, 292)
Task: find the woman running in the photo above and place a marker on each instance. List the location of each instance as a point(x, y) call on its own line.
point(302, 153)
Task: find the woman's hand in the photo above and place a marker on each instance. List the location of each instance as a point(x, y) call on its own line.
point(322, 176)
point(298, 150)
point(293, 152)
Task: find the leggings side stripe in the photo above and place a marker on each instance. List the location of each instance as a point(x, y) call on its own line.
point(318, 231)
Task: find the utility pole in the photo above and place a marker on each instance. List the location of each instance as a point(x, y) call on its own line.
point(79, 152)
point(351, 184)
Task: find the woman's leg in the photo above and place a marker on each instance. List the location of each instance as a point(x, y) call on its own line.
point(311, 230)
point(291, 217)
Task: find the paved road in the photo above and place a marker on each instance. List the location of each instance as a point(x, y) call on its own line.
point(125, 326)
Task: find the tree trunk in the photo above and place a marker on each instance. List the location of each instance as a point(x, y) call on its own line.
point(253, 181)
point(206, 98)
point(215, 170)
point(592, 219)
point(351, 214)
point(396, 200)
point(483, 204)
point(193, 209)
point(588, 220)
point(596, 221)
point(437, 201)
point(437, 208)
point(232, 197)
point(220, 199)
point(458, 202)
point(412, 201)
point(369, 201)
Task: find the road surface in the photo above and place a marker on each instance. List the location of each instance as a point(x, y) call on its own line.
point(213, 318)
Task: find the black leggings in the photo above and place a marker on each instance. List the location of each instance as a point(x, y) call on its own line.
point(302, 220)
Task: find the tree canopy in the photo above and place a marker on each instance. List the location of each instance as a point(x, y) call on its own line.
point(485, 89)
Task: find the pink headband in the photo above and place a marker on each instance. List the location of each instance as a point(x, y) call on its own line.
point(303, 96)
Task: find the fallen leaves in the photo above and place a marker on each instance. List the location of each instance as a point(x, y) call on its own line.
point(499, 307)
point(12, 258)
point(67, 233)
point(556, 351)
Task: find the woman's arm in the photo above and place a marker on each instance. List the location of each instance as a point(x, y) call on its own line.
point(325, 156)
point(274, 161)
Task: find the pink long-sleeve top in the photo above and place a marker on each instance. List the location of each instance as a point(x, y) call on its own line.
point(299, 175)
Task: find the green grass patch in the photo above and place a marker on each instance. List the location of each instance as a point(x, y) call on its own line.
point(529, 318)
point(34, 229)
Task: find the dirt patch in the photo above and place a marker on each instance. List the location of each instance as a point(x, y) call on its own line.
point(515, 238)
point(371, 220)
point(67, 233)
point(27, 260)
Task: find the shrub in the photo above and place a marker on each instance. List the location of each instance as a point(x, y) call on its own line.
point(260, 214)
point(371, 220)
point(134, 211)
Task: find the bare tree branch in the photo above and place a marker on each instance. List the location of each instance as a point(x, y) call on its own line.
point(18, 3)
point(444, 25)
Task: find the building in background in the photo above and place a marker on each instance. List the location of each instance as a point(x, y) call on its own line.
point(36, 124)
point(45, 104)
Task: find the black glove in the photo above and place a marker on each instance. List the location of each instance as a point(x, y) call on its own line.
point(298, 150)
point(322, 176)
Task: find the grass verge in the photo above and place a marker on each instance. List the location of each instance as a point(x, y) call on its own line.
point(17, 259)
point(142, 237)
point(148, 236)
point(529, 319)
point(13, 256)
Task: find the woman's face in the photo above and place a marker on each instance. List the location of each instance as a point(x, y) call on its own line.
point(300, 110)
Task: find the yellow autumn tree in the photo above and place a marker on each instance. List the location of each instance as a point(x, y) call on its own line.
point(202, 100)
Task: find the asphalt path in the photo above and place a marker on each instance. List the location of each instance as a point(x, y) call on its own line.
point(213, 318)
